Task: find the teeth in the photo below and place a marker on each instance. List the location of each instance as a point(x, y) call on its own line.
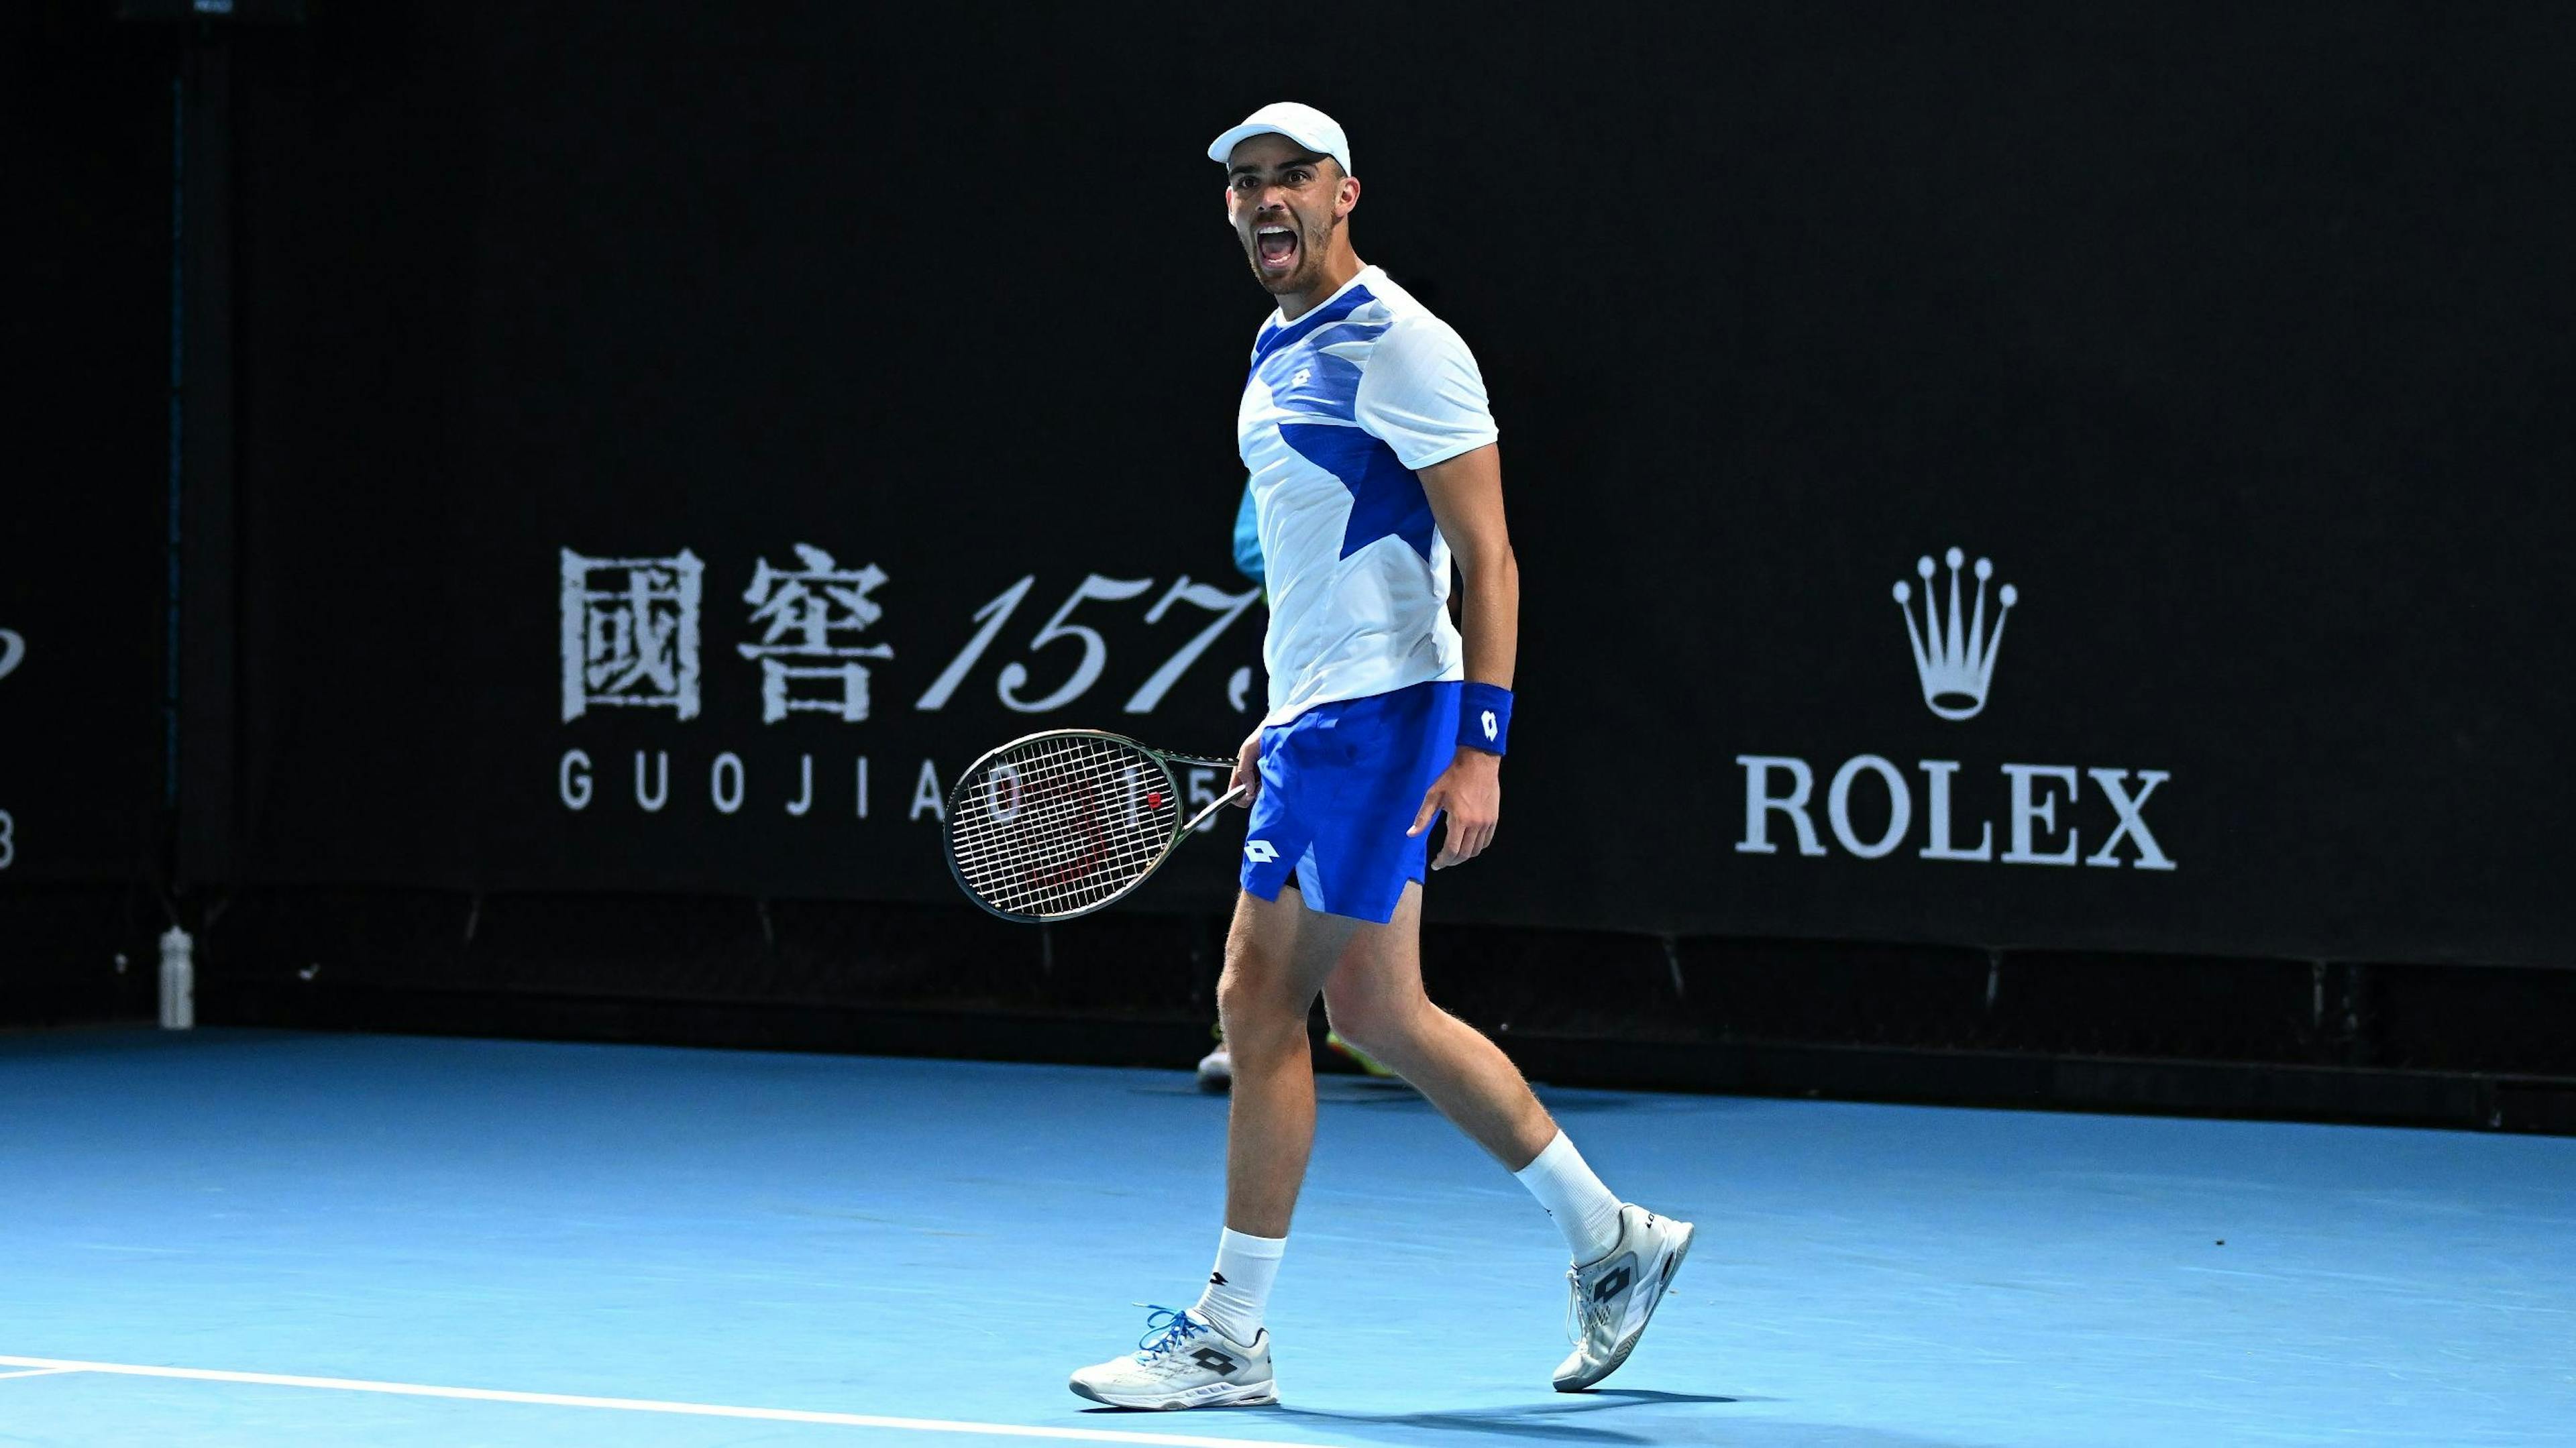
point(1275, 231)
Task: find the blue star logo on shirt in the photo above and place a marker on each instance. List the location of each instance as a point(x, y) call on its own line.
point(1387, 500)
point(1308, 375)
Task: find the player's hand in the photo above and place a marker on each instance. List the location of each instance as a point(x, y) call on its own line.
point(1470, 791)
point(1247, 770)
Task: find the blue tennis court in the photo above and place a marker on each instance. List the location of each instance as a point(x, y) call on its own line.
point(462, 1241)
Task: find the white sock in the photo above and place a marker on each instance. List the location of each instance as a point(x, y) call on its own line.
point(1239, 1289)
point(1584, 1209)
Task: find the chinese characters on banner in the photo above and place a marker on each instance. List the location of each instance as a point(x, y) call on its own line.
point(633, 636)
point(630, 633)
point(631, 627)
point(811, 617)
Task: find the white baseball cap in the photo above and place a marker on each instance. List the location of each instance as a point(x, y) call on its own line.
point(1305, 125)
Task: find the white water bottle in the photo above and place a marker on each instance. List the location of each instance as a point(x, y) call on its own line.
point(178, 980)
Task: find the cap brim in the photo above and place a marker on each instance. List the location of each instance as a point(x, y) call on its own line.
point(1221, 149)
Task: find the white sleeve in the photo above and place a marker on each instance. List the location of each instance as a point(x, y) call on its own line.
point(1422, 395)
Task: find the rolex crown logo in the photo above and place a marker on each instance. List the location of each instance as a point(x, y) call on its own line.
point(1955, 658)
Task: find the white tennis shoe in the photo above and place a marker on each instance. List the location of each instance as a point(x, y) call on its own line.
point(1182, 1362)
point(1614, 1298)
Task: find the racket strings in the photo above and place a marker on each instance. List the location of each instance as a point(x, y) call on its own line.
point(1070, 848)
point(1061, 824)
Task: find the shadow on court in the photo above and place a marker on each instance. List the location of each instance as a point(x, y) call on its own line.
point(1561, 1421)
point(1609, 1416)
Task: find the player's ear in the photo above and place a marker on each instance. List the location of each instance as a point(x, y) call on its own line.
point(1350, 197)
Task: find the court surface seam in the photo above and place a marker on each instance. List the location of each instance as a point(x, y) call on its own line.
point(46, 1366)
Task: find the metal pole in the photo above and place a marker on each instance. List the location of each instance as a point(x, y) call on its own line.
point(201, 499)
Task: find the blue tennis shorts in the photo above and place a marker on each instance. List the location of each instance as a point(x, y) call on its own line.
point(1340, 785)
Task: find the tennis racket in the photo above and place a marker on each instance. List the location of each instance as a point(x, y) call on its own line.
point(1055, 825)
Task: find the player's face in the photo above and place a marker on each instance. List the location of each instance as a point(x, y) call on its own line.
point(1284, 202)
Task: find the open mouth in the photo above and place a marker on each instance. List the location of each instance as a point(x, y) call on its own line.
point(1275, 248)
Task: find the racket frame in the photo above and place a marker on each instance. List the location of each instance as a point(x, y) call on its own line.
point(958, 797)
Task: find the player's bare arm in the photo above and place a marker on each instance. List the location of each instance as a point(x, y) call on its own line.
point(1466, 494)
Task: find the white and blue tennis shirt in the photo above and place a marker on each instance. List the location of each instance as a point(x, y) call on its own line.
point(1342, 405)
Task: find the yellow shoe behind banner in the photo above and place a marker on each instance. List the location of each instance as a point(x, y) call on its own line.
point(1365, 1061)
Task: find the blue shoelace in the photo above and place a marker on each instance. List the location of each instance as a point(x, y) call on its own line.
point(1165, 1330)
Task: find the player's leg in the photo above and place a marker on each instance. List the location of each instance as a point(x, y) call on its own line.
point(1362, 862)
point(1276, 959)
point(1278, 953)
point(1624, 1256)
point(1217, 1353)
point(1374, 998)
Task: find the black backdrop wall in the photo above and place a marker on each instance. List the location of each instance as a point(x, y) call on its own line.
point(84, 491)
point(671, 442)
point(85, 744)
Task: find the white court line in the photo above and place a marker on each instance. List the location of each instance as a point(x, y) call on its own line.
point(39, 1372)
point(650, 1405)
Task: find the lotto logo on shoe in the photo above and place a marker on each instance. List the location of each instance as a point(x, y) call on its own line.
point(1212, 1360)
point(1612, 1285)
point(1259, 852)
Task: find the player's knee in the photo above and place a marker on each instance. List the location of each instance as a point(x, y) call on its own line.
point(1381, 1022)
point(1253, 1005)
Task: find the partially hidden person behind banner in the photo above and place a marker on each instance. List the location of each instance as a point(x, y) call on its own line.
point(1373, 455)
point(1216, 1068)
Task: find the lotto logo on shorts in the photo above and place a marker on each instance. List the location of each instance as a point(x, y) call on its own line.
point(1259, 852)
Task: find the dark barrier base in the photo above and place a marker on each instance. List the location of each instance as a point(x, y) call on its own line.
point(2448, 1046)
point(1752, 1068)
point(78, 953)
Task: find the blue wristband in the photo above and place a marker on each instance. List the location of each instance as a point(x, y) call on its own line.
point(1485, 717)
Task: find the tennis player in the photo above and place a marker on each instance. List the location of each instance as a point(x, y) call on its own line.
point(1374, 463)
